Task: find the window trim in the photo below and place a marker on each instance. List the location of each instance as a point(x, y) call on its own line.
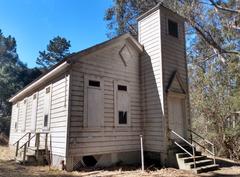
point(175, 21)
point(116, 111)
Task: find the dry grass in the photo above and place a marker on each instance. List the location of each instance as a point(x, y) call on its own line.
point(9, 168)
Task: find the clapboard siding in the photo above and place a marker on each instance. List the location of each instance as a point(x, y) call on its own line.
point(173, 54)
point(107, 64)
point(58, 114)
point(151, 66)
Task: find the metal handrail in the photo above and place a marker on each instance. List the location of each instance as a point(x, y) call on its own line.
point(207, 141)
point(202, 146)
point(193, 147)
point(27, 141)
point(183, 149)
point(21, 138)
point(181, 138)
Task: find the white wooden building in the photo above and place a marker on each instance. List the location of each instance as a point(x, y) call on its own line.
point(95, 103)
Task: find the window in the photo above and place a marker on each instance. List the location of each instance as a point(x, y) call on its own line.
point(122, 117)
point(45, 120)
point(122, 88)
point(34, 96)
point(173, 28)
point(48, 90)
point(94, 83)
point(122, 110)
point(15, 125)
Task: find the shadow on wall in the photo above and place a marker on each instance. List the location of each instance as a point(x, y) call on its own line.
point(154, 135)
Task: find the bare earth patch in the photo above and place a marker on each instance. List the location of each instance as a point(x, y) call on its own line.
point(9, 168)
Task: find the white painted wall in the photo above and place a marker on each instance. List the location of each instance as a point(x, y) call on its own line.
point(31, 115)
point(152, 82)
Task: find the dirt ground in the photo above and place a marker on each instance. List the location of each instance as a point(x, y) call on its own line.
point(9, 168)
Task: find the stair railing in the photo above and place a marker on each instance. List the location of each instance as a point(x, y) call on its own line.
point(18, 142)
point(25, 145)
point(211, 152)
point(193, 154)
point(38, 139)
point(37, 145)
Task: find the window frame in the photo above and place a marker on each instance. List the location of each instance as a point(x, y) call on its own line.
point(119, 111)
point(116, 111)
point(168, 33)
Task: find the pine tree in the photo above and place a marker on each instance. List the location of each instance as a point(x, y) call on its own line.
point(57, 49)
point(14, 75)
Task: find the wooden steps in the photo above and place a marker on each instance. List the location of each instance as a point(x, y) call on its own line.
point(38, 154)
point(33, 156)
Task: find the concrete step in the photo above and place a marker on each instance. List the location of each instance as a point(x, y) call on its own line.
point(206, 168)
point(190, 159)
point(184, 154)
point(200, 163)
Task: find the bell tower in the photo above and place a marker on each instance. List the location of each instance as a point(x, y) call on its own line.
point(163, 70)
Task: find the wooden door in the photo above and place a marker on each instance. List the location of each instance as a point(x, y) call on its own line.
point(176, 115)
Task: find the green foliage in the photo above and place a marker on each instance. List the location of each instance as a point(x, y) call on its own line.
point(14, 75)
point(122, 16)
point(57, 49)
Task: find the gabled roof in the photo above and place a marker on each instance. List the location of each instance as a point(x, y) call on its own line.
point(68, 60)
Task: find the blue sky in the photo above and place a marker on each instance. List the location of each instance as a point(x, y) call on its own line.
point(33, 23)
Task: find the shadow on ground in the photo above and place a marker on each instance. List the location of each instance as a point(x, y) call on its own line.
point(228, 168)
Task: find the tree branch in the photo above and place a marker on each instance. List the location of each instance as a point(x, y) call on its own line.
point(224, 8)
point(209, 39)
